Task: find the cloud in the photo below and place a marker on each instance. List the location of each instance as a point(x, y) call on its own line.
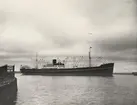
point(122, 47)
point(62, 27)
point(119, 43)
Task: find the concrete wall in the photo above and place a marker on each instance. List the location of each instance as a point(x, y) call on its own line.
point(8, 93)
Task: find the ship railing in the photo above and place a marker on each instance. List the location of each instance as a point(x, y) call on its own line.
point(11, 70)
point(7, 71)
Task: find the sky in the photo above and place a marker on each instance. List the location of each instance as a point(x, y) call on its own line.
point(68, 27)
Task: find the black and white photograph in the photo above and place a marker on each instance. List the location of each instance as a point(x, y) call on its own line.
point(68, 52)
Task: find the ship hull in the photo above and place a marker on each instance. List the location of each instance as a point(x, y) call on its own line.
point(134, 73)
point(103, 70)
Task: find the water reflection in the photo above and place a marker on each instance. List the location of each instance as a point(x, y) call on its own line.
point(56, 90)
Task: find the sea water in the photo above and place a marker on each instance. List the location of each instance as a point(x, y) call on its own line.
point(56, 90)
point(78, 90)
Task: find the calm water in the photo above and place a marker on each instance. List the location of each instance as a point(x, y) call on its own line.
point(56, 90)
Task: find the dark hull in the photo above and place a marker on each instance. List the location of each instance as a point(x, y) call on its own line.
point(8, 93)
point(134, 73)
point(103, 70)
point(8, 85)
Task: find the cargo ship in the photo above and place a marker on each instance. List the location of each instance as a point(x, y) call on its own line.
point(59, 69)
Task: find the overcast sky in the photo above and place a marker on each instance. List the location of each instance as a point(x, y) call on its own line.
point(64, 26)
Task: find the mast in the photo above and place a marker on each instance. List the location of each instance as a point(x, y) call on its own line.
point(90, 53)
point(90, 56)
point(36, 60)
